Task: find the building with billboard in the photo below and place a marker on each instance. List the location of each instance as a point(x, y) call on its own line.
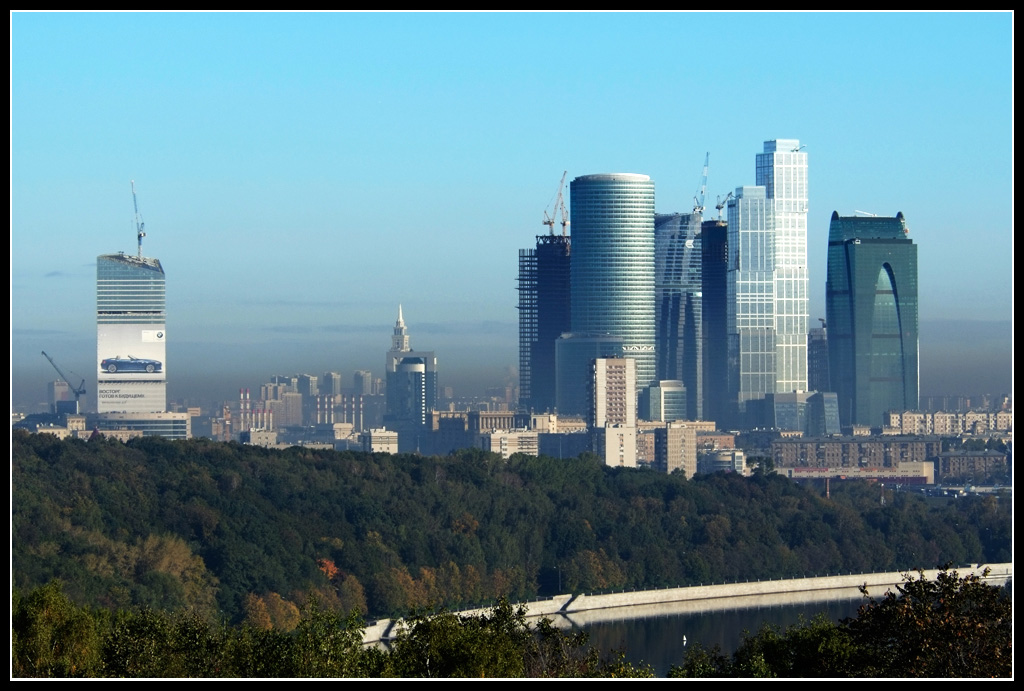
point(871, 310)
point(131, 335)
point(612, 268)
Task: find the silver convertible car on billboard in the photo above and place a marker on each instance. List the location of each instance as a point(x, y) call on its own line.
point(130, 364)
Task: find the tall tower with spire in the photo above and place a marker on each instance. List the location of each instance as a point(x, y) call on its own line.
point(411, 378)
point(400, 338)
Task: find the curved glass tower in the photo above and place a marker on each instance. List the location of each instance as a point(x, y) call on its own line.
point(612, 266)
point(871, 311)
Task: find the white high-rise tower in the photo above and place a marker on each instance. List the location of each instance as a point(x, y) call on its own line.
point(767, 284)
point(782, 171)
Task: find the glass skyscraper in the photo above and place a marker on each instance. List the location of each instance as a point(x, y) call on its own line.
point(677, 268)
point(612, 267)
point(782, 171)
point(767, 284)
point(131, 334)
point(750, 301)
point(871, 311)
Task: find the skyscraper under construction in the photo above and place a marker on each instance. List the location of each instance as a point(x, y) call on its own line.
point(544, 313)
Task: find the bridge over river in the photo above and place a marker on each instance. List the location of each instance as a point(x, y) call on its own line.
point(583, 610)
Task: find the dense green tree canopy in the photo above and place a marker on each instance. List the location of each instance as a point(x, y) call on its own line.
point(247, 533)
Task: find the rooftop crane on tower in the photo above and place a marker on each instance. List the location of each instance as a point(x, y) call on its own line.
point(698, 199)
point(558, 208)
point(722, 203)
point(139, 225)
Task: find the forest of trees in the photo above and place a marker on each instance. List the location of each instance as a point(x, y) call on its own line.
point(949, 627)
point(242, 534)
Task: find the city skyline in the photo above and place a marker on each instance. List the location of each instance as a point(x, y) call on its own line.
point(303, 174)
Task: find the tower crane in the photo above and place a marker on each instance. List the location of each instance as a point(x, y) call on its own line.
point(698, 199)
point(139, 225)
point(722, 203)
point(558, 209)
point(77, 390)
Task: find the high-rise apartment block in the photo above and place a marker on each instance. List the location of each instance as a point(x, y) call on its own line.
point(131, 334)
point(678, 309)
point(614, 392)
point(612, 268)
point(543, 316)
point(871, 308)
point(767, 282)
point(613, 410)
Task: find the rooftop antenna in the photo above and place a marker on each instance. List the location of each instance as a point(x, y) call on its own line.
point(139, 225)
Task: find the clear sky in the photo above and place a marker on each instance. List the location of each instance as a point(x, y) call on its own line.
point(300, 175)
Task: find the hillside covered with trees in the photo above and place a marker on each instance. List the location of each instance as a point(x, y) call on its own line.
point(247, 534)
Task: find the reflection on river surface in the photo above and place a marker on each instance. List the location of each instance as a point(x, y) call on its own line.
point(658, 641)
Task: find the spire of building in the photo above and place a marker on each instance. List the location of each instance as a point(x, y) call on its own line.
point(400, 337)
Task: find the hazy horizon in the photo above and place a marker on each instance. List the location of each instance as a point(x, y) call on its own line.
point(301, 174)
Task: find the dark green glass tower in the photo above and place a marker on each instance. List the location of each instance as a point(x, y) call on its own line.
point(871, 310)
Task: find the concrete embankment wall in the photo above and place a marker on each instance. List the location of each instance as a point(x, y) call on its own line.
point(584, 609)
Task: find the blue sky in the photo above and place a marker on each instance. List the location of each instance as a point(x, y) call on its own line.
point(302, 174)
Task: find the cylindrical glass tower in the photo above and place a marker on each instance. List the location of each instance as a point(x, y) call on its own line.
point(612, 264)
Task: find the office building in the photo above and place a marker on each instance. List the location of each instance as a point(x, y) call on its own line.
point(767, 284)
point(612, 267)
point(664, 401)
point(714, 323)
point(782, 171)
point(871, 309)
point(750, 303)
point(678, 309)
point(148, 424)
point(131, 334)
point(818, 378)
point(411, 384)
point(543, 317)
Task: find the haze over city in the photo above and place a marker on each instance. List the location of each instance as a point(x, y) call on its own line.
point(300, 175)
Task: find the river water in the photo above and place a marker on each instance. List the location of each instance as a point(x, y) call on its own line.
point(658, 641)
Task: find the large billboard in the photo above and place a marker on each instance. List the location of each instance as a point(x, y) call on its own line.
point(131, 353)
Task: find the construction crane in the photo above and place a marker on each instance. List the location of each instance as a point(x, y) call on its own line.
point(558, 209)
point(79, 390)
point(139, 225)
point(722, 203)
point(698, 199)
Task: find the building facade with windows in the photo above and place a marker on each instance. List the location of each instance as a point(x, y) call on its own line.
point(612, 267)
point(131, 334)
point(872, 313)
point(782, 171)
point(767, 282)
point(678, 309)
point(544, 309)
point(411, 389)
